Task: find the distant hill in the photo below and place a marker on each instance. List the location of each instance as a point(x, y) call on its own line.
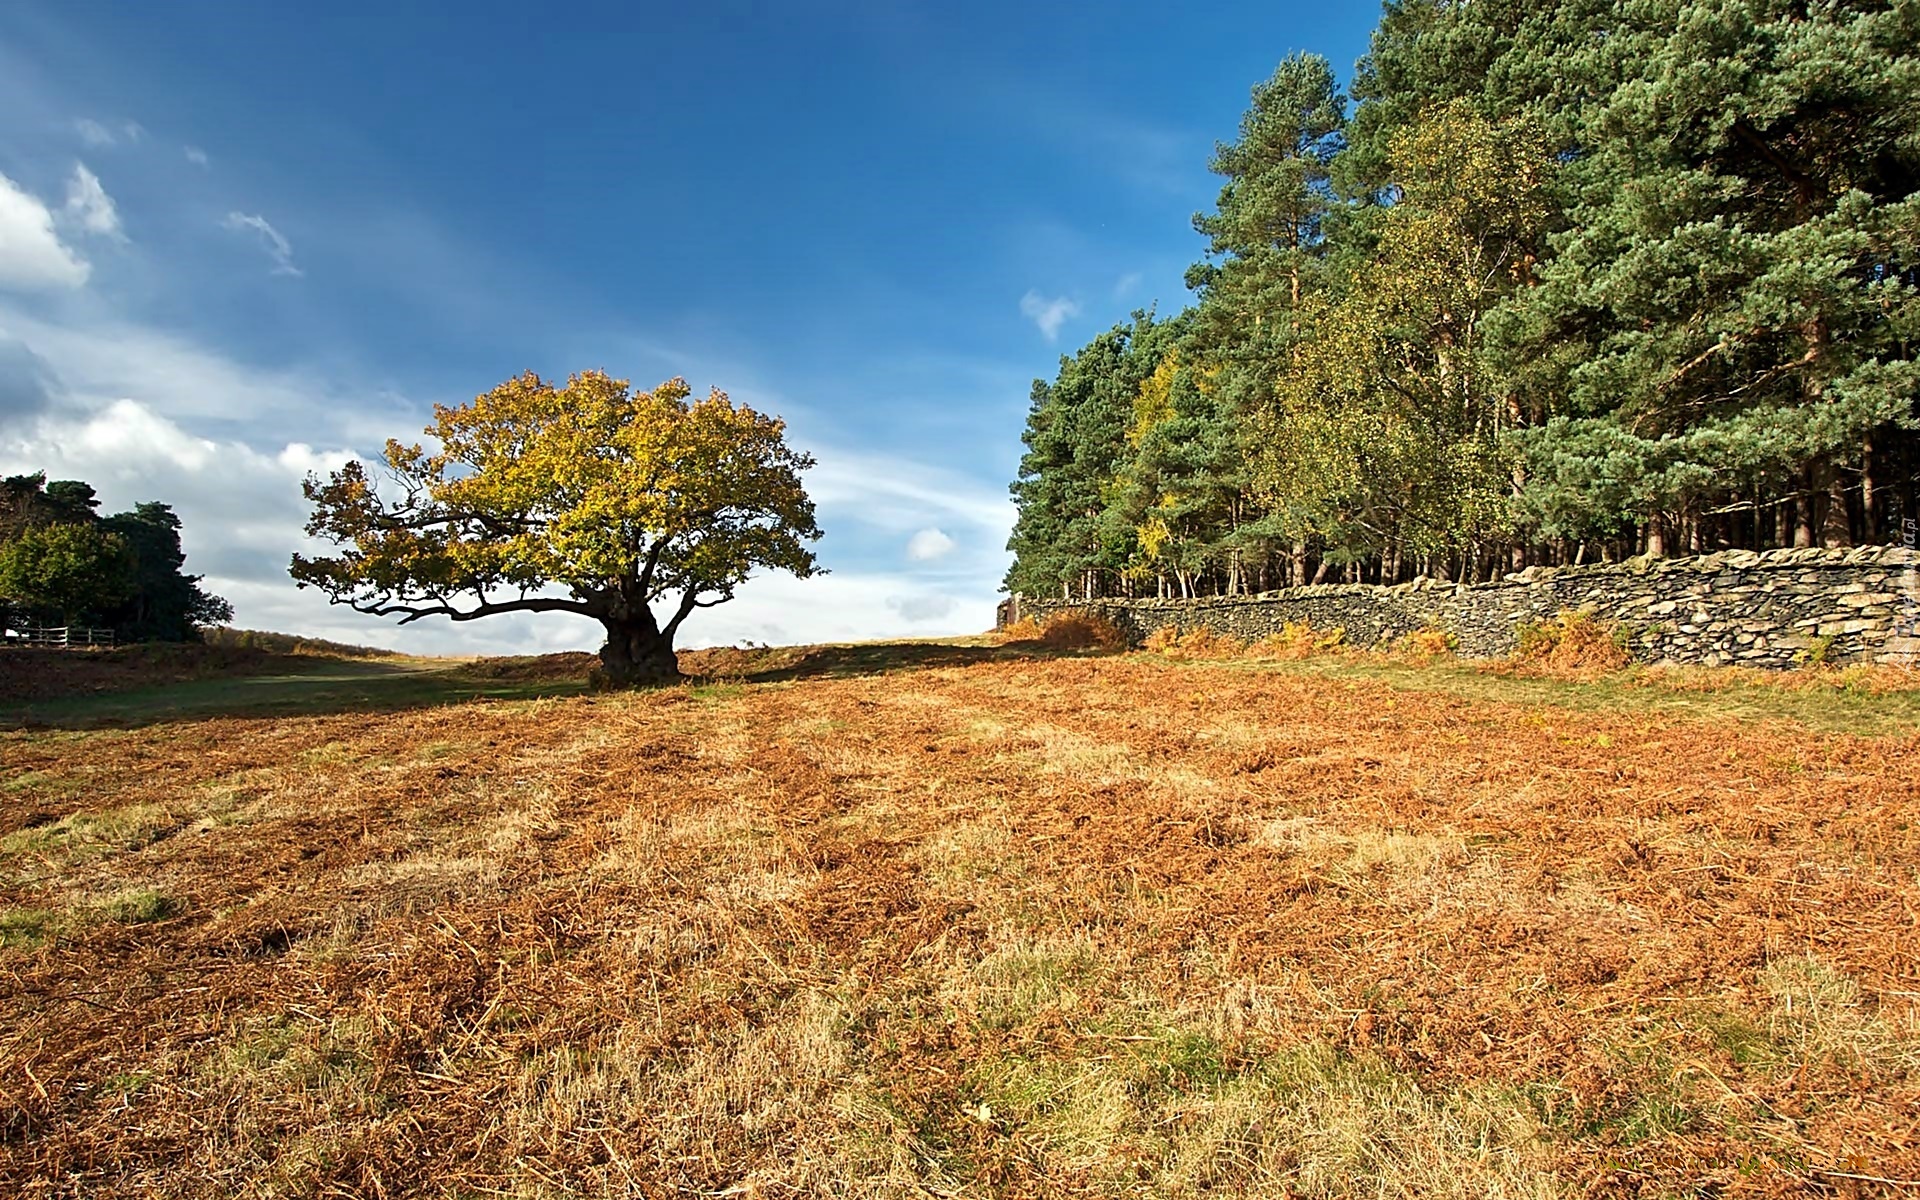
point(288, 643)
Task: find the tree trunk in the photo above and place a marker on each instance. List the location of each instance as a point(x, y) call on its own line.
point(1804, 532)
point(1837, 529)
point(1869, 495)
point(637, 654)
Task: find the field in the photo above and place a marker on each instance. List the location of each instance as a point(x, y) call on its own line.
point(959, 920)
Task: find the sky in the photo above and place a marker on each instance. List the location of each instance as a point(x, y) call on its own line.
point(241, 243)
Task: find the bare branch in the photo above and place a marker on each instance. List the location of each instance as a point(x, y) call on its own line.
point(409, 613)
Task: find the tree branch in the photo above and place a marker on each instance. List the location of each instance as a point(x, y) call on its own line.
point(688, 602)
point(653, 561)
point(408, 613)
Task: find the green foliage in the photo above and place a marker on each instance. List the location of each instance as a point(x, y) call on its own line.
point(66, 573)
point(621, 497)
point(1816, 651)
point(1076, 439)
point(286, 643)
point(62, 563)
point(1569, 281)
point(164, 604)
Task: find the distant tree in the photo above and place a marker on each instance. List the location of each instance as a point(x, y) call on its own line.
point(1076, 440)
point(1572, 280)
point(27, 501)
point(621, 497)
point(68, 573)
point(153, 601)
point(164, 604)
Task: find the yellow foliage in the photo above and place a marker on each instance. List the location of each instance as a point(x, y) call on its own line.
point(1198, 642)
point(1425, 645)
point(1299, 639)
point(620, 495)
point(1154, 402)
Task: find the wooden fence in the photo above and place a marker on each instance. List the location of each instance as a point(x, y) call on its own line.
point(62, 637)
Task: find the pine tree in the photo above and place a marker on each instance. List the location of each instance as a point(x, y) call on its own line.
point(1735, 305)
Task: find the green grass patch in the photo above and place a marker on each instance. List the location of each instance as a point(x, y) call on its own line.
point(27, 927)
point(87, 835)
point(1746, 1043)
point(138, 906)
point(303, 688)
point(1839, 708)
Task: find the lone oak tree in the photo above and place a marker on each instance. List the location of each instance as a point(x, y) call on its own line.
point(623, 497)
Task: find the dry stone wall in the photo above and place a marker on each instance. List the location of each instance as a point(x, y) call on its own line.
point(1768, 609)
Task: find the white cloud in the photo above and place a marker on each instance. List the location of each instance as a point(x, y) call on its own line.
point(1124, 286)
point(842, 607)
point(276, 246)
point(93, 133)
point(98, 135)
point(195, 155)
point(929, 544)
point(1048, 315)
point(90, 207)
point(918, 609)
point(241, 508)
point(900, 494)
point(127, 436)
point(105, 359)
point(32, 257)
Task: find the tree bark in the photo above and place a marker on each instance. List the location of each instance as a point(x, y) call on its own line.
point(1804, 531)
point(1869, 495)
point(1837, 529)
point(637, 654)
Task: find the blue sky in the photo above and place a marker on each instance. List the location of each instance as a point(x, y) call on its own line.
point(238, 244)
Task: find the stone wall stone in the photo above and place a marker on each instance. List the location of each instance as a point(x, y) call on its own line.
point(1766, 609)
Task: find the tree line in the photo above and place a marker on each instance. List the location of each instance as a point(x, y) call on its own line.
point(63, 563)
point(1549, 283)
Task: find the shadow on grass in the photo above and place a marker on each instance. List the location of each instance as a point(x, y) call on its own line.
point(299, 686)
point(296, 687)
point(863, 658)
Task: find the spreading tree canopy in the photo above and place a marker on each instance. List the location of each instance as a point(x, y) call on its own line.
point(620, 497)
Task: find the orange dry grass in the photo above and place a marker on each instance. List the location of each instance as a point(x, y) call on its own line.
point(1296, 640)
point(1015, 928)
point(1065, 631)
point(1572, 642)
point(1425, 645)
point(1198, 642)
point(1870, 679)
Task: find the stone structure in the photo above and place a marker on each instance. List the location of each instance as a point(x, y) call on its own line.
point(1766, 609)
